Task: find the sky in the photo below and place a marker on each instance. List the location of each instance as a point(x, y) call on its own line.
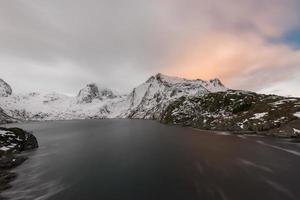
point(62, 45)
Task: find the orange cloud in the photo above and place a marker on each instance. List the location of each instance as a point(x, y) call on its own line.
point(232, 58)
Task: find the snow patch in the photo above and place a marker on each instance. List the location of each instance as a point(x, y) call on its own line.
point(6, 133)
point(4, 148)
point(259, 115)
point(297, 114)
point(296, 130)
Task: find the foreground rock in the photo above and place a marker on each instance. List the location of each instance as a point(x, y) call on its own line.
point(12, 142)
point(237, 111)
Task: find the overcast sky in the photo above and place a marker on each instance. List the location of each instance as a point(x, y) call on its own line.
point(61, 45)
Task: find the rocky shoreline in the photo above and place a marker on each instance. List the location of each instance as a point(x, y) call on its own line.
point(237, 111)
point(13, 141)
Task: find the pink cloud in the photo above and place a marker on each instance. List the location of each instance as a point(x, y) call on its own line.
point(241, 61)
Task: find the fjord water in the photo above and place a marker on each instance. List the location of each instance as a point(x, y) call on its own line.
point(146, 160)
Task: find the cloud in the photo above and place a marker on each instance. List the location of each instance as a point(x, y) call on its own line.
point(120, 43)
point(245, 62)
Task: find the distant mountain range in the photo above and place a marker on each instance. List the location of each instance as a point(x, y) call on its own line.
point(197, 103)
point(145, 101)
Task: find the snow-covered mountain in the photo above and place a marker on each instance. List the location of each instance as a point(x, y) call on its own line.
point(145, 101)
point(148, 100)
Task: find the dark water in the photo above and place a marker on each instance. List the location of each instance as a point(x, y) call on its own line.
point(145, 160)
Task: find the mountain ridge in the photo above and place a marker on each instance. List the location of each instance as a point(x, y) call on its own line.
point(93, 101)
point(171, 100)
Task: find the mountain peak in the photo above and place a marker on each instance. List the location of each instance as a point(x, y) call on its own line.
point(88, 93)
point(216, 82)
point(162, 78)
point(91, 91)
point(5, 89)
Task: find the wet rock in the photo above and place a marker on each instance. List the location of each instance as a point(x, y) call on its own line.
point(12, 142)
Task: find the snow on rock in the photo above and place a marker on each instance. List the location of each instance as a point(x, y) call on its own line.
point(92, 91)
point(88, 93)
point(4, 148)
point(259, 115)
point(4, 118)
point(5, 89)
point(297, 131)
point(297, 114)
point(233, 110)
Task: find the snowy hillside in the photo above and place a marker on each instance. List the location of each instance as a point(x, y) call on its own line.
point(145, 101)
point(54, 106)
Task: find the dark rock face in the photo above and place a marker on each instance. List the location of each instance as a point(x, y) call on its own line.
point(5, 89)
point(216, 82)
point(91, 92)
point(12, 142)
point(237, 111)
point(87, 94)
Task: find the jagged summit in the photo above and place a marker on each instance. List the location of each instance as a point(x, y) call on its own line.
point(174, 79)
point(92, 91)
point(88, 93)
point(5, 89)
point(213, 85)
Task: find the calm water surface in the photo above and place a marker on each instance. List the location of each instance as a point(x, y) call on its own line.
point(146, 160)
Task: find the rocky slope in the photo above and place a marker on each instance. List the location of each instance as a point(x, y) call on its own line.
point(4, 118)
point(237, 111)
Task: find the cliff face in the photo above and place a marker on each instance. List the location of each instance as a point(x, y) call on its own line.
point(5, 89)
